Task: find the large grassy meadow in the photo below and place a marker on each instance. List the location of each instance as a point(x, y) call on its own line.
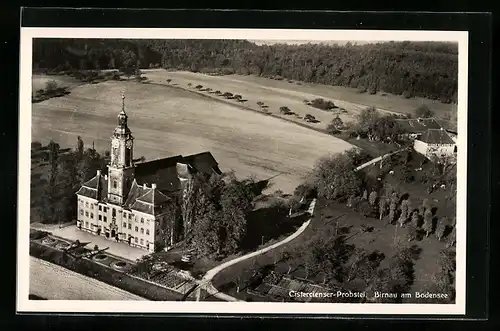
point(167, 121)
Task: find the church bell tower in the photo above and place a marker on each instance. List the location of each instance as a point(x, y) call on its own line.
point(121, 167)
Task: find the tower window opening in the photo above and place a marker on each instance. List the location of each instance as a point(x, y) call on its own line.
point(114, 184)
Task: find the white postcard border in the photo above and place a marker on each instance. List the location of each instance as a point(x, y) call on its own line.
point(23, 304)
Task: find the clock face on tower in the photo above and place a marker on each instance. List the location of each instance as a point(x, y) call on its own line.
point(129, 144)
point(115, 143)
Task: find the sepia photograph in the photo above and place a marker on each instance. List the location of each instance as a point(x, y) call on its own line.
point(242, 170)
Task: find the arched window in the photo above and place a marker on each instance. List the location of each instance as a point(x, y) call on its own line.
point(114, 184)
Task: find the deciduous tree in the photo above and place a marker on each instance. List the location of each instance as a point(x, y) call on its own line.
point(404, 213)
point(441, 228)
point(415, 219)
point(423, 111)
point(373, 198)
point(334, 177)
point(382, 208)
point(427, 227)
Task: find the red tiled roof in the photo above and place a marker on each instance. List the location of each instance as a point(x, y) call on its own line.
point(95, 188)
point(418, 125)
point(162, 172)
point(433, 136)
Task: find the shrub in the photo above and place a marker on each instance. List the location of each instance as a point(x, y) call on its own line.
point(335, 125)
point(423, 111)
point(322, 104)
point(51, 86)
point(285, 110)
point(309, 118)
point(365, 208)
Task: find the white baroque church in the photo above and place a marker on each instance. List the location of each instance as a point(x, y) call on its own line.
point(129, 202)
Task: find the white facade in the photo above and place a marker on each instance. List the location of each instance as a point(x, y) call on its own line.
point(429, 150)
point(115, 223)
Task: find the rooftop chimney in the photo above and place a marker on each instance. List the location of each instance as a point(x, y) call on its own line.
point(98, 172)
point(153, 186)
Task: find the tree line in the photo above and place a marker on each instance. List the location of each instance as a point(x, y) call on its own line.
point(423, 69)
point(66, 171)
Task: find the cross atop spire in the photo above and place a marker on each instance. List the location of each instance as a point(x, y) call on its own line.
point(123, 101)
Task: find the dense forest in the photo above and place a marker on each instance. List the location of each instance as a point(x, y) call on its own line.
point(423, 69)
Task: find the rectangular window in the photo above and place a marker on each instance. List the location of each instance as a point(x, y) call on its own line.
point(91, 206)
point(87, 213)
point(136, 229)
point(124, 225)
point(100, 208)
point(105, 219)
point(81, 212)
point(114, 212)
point(142, 219)
point(130, 226)
point(86, 204)
point(86, 224)
point(142, 241)
point(100, 217)
point(142, 230)
point(147, 231)
point(136, 240)
point(92, 215)
point(105, 209)
point(129, 216)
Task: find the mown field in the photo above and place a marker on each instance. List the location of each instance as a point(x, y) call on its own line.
point(292, 94)
point(167, 121)
point(53, 282)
